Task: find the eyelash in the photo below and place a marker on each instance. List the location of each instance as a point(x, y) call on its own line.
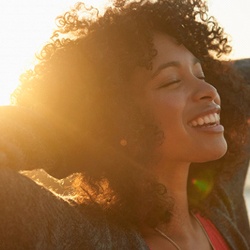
point(169, 83)
point(203, 78)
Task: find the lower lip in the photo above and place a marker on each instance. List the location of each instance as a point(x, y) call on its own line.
point(211, 129)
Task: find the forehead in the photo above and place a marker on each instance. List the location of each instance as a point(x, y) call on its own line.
point(169, 52)
point(168, 49)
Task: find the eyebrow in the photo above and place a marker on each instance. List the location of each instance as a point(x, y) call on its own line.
point(171, 64)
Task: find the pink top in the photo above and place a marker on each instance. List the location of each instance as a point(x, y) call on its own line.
point(214, 235)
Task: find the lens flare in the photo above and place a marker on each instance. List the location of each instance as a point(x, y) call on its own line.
point(202, 185)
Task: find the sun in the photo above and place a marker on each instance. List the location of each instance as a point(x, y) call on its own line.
point(26, 25)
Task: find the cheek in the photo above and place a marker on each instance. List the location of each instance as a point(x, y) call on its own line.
point(168, 114)
point(169, 119)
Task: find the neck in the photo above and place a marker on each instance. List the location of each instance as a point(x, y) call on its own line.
point(174, 177)
point(182, 228)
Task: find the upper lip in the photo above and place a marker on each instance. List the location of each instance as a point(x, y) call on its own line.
point(207, 111)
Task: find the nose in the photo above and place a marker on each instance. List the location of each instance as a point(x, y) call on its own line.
point(206, 91)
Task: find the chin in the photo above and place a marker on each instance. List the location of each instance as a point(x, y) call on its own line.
point(216, 152)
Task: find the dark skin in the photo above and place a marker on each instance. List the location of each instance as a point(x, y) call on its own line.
point(85, 82)
point(176, 88)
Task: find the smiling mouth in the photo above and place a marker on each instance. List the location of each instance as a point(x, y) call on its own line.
point(206, 120)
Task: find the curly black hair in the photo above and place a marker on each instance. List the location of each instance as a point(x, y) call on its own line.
point(81, 84)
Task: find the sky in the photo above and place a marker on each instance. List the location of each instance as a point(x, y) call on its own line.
point(27, 24)
point(234, 16)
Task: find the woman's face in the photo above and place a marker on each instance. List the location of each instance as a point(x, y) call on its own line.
point(184, 106)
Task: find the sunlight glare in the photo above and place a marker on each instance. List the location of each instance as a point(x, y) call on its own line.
point(234, 16)
point(27, 24)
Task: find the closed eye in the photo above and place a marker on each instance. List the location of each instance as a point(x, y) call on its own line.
point(169, 84)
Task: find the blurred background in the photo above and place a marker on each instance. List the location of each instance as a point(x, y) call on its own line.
point(26, 25)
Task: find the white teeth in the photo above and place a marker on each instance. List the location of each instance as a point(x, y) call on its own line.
point(200, 121)
point(212, 117)
point(207, 119)
point(194, 123)
point(217, 117)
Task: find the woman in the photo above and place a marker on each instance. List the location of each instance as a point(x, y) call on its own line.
point(131, 101)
